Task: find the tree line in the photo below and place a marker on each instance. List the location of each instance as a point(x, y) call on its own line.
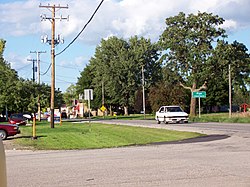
point(18, 94)
point(192, 54)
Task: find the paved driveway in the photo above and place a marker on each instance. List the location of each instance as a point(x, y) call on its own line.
point(223, 162)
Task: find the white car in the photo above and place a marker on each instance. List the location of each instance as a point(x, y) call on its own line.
point(171, 114)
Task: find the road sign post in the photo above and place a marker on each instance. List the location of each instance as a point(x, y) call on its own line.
point(199, 95)
point(88, 95)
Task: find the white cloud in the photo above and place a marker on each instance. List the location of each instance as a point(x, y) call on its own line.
point(230, 24)
point(123, 18)
point(19, 62)
point(78, 62)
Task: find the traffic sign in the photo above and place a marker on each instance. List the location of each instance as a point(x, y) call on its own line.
point(88, 94)
point(103, 108)
point(201, 94)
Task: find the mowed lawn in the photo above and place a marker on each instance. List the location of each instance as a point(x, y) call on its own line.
point(93, 135)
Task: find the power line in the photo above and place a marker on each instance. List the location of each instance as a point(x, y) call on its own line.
point(66, 77)
point(23, 67)
point(63, 66)
point(63, 81)
point(47, 70)
point(82, 29)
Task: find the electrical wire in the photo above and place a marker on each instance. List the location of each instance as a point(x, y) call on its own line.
point(63, 66)
point(82, 29)
point(46, 70)
point(18, 69)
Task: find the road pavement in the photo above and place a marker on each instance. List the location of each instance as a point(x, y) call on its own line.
point(224, 161)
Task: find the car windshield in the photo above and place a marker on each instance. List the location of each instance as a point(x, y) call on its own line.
point(174, 109)
point(16, 116)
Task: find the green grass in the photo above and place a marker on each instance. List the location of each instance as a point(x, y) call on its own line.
point(212, 117)
point(84, 136)
point(129, 117)
point(222, 117)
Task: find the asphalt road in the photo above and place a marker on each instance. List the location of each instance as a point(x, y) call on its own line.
point(223, 161)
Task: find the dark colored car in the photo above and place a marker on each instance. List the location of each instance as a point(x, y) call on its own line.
point(8, 130)
point(17, 119)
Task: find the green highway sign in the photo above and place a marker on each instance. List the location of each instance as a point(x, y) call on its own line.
point(199, 94)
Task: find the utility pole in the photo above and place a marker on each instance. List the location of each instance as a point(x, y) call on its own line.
point(230, 90)
point(34, 68)
point(52, 42)
point(143, 92)
point(103, 102)
point(38, 80)
point(38, 63)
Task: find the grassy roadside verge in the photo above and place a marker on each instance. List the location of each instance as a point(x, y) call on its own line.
point(223, 117)
point(84, 136)
point(240, 117)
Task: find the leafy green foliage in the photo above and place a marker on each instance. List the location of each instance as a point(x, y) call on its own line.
point(70, 95)
point(19, 95)
point(168, 91)
point(188, 44)
point(117, 64)
point(224, 54)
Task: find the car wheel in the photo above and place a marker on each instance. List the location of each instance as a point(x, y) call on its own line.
point(158, 121)
point(3, 134)
point(165, 120)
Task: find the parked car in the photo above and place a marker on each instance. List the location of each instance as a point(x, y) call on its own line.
point(27, 115)
point(171, 114)
point(17, 119)
point(8, 130)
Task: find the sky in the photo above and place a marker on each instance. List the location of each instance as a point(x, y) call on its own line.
point(22, 29)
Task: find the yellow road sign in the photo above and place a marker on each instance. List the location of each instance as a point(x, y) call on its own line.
point(103, 109)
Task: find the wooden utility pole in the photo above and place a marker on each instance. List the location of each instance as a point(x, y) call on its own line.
point(38, 80)
point(52, 42)
point(230, 91)
point(143, 93)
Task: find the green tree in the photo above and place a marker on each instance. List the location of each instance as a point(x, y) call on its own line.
point(8, 81)
point(19, 95)
point(167, 91)
point(117, 64)
point(70, 95)
point(224, 54)
point(188, 43)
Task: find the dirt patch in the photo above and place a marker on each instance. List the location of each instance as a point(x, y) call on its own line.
point(9, 144)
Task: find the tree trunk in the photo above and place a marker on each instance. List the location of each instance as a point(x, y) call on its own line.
point(125, 110)
point(110, 110)
point(193, 101)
